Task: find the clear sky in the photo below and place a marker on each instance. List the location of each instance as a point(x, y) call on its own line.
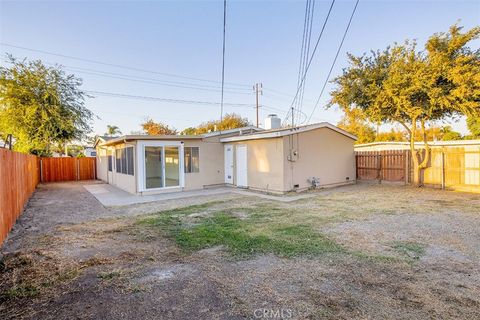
point(184, 39)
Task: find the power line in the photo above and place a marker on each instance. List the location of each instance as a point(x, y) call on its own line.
point(303, 54)
point(118, 65)
point(307, 53)
point(159, 83)
point(150, 80)
point(149, 98)
point(313, 53)
point(223, 56)
point(73, 68)
point(334, 60)
point(279, 93)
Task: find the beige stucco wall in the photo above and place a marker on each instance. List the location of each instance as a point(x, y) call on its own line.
point(211, 171)
point(102, 163)
point(123, 181)
point(211, 162)
point(265, 164)
point(321, 153)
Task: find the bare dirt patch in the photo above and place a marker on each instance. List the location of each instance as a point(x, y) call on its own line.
point(398, 253)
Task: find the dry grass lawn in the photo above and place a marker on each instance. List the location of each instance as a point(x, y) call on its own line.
point(363, 251)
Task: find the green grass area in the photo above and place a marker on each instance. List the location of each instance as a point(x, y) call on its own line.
point(257, 233)
point(21, 291)
point(412, 250)
point(109, 275)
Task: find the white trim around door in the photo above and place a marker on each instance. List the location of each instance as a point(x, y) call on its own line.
point(161, 179)
point(241, 164)
point(228, 158)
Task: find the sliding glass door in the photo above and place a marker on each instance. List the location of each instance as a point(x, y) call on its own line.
point(162, 167)
point(172, 167)
point(153, 167)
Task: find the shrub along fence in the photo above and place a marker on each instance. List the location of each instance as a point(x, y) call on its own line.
point(20, 173)
point(453, 168)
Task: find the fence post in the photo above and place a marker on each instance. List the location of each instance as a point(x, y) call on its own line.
point(78, 168)
point(443, 169)
point(356, 165)
point(94, 169)
point(379, 166)
point(41, 170)
point(407, 167)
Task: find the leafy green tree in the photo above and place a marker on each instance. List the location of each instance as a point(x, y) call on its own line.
point(151, 127)
point(229, 121)
point(41, 106)
point(189, 131)
point(447, 133)
point(411, 88)
point(392, 135)
point(355, 122)
point(112, 131)
point(473, 124)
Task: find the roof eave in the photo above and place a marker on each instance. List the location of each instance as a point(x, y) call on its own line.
point(127, 138)
point(288, 131)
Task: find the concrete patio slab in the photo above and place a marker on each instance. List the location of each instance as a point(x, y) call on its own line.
point(110, 196)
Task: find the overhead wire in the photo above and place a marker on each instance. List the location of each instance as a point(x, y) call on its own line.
point(301, 64)
point(309, 32)
point(223, 56)
point(120, 66)
point(149, 98)
point(334, 61)
point(313, 52)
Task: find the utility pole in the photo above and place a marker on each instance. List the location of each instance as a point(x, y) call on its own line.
point(293, 117)
point(258, 90)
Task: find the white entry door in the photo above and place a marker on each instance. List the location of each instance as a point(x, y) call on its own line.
point(242, 168)
point(229, 164)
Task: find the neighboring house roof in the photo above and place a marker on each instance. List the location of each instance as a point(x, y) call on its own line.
point(275, 133)
point(230, 131)
point(406, 144)
point(103, 139)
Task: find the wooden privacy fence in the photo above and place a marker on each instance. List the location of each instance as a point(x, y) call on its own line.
point(67, 169)
point(454, 168)
point(390, 165)
point(19, 175)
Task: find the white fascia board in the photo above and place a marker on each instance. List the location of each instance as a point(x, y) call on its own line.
point(288, 131)
point(218, 133)
point(417, 143)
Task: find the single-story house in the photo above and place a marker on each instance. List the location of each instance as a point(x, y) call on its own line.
point(276, 160)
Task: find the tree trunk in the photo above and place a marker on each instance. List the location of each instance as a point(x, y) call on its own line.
point(420, 160)
point(417, 170)
point(417, 175)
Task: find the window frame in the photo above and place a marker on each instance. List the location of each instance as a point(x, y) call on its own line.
point(109, 161)
point(188, 156)
point(122, 160)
